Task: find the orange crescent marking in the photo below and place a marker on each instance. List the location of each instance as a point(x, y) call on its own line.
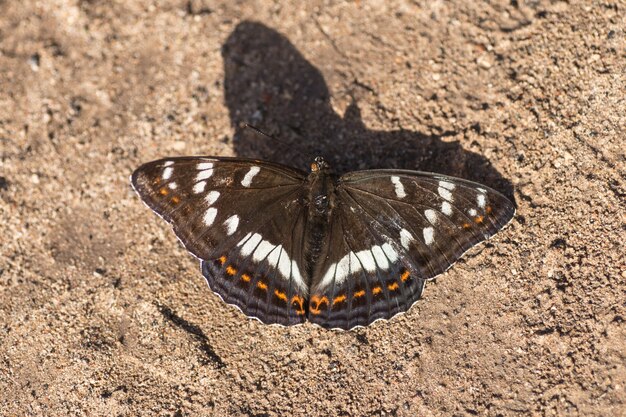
point(405, 276)
point(245, 277)
point(261, 285)
point(230, 270)
point(359, 294)
point(393, 286)
point(280, 295)
point(299, 301)
point(339, 299)
point(377, 290)
point(318, 302)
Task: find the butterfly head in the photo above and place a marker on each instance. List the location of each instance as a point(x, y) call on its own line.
point(319, 165)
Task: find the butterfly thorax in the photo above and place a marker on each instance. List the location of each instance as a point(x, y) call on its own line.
point(320, 203)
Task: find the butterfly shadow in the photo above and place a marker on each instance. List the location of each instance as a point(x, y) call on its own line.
point(270, 85)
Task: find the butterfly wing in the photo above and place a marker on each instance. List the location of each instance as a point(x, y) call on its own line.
point(390, 232)
point(244, 219)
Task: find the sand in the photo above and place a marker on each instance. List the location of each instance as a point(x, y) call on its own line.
point(103, 313)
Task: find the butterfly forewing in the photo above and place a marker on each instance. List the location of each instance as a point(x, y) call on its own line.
point(244, 220)
point(392, 231)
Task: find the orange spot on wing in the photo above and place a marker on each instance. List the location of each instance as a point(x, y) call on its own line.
point(245, 277)
point(393, 286)
point(261, 285)
point(280, 295)
point(377, 290)
point(405, 276)
point(299, 302)
point(360, 293)
point(489, 209)
point(230, 270)
point(163, 191)
point(339, 299)
point(317, 302)
point(222, 260)
point(175, 200)
point(479, 219)
point(466, 225)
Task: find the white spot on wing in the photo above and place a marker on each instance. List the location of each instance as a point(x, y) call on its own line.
point(445, 193)
point(392, 255)
point(231, 224)
point(204, 165)
point(406, 238)
point(431, 215)
point(379, 256)
point(276, 256)
point(250, 243)
point(168, 163)
point(247, 180)
point(199, 187)
point(172, 185)
point(263, 250)
point(446, 208)
point(369, 259)
point(447, 185)
point(366, 259)
point(342, 268)
point(429, 235)
point(212, 197)
point(209, 216)
point(481, 200)
point(472, 212)
point(399, 187)
point(482, 190)
point(204, 175)
point(167, 173)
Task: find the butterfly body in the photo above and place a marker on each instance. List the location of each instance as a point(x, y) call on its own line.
point(320, 203)
point(285, 246)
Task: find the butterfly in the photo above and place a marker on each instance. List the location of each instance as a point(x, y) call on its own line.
point(286, 246)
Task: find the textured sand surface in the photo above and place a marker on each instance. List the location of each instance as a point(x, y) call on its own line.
point(102, 312)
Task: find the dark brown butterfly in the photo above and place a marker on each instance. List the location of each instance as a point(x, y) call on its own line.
point(285, 246)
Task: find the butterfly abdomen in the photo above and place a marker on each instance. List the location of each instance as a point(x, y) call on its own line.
point(320, 203)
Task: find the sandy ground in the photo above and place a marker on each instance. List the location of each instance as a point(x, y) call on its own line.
point(102, 312)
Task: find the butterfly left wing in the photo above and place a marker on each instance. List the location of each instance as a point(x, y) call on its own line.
point(242, 218)
point(390, 232)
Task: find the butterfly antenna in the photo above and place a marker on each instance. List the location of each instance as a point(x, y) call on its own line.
point(256, 129)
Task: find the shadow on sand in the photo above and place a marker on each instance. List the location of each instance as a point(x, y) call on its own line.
point(270, 85)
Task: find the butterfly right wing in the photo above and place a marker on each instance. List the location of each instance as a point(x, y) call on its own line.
point(244, 220)
point(390, 232)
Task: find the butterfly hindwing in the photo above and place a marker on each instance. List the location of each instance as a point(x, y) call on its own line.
point(243, 219)
point(365, 276)
point(391, 231)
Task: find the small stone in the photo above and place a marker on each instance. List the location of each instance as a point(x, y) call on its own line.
point(484, 61)
point(179, 145)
